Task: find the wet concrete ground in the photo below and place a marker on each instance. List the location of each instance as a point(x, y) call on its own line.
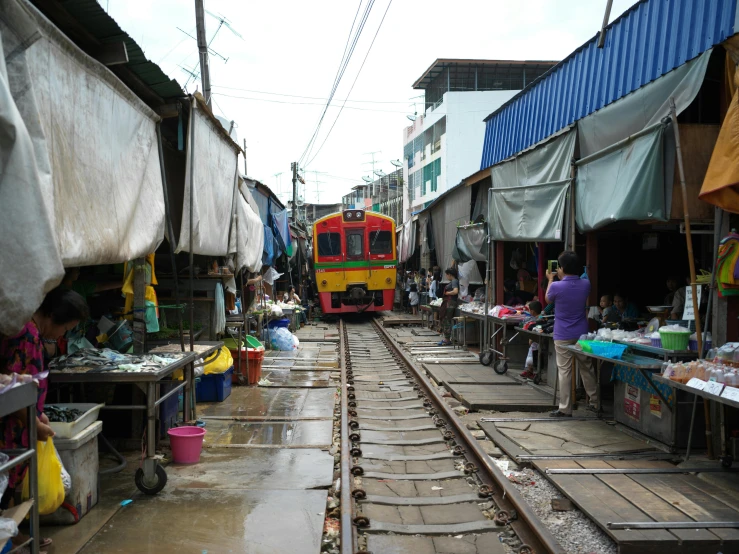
point(260, 487)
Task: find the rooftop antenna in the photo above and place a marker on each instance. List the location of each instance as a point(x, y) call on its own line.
point(210, 50)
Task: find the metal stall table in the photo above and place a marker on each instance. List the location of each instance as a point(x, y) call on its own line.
point(664, 353)
point(712, 393)
point(151, 478)
point(19, 398)
point(488, 353)
point(474, 317)
point(647, 406)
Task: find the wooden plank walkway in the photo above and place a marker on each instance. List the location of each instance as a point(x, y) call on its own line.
point(467, 373)
point(501, 397)
point(661, 497)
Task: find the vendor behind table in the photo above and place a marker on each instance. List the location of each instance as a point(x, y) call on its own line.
point(25, 354)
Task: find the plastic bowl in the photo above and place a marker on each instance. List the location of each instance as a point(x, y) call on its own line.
point(605, 349)
point(672, 340)
point(186, 443)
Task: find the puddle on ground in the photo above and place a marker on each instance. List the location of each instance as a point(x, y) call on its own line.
point(291, 433)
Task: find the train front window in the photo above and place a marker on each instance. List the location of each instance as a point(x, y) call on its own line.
point(329, 244)
point(354, 246)
point(380, 242)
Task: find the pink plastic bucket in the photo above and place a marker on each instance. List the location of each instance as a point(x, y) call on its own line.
point(186, 443)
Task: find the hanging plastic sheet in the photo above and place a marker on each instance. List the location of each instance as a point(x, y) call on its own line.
point(721, 183)
point(281, 228)
point(622, 183)
point(471, 244)
point(453, 210)
point(247, 237)
point(643, 107)
point(268, 252)
point(212, 166)
point(529, 194)
point(94, 140)
point(28, 249)
point(423, 233)
point(481, 201)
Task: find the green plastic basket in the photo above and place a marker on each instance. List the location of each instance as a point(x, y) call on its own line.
point(674, 340)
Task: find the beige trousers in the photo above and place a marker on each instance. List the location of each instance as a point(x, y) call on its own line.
point(566, 360)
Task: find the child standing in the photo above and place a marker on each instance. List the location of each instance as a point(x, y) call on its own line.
point(534, 309)
point(413, 298)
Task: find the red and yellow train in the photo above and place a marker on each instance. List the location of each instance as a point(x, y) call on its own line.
point(355, 262)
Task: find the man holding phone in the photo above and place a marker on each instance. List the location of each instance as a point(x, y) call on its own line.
point(571, 295)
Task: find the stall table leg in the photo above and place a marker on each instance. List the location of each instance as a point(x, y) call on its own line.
point(151, 478)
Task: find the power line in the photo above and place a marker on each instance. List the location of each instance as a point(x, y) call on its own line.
point(353, 83)
point(342, 68)
point(305, 103)
point(404, 102)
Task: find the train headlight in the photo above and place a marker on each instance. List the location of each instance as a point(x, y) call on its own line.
point(349, 215)
point(388, 280)
point(324, 282)
point(359, 214)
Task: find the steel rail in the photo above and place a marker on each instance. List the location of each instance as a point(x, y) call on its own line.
point(529, 528)
point(346, 534)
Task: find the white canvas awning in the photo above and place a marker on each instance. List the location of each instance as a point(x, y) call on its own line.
point(95, 145)
point(247, 236)
point(212, 160)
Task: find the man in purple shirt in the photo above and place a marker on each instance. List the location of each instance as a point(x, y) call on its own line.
point(570, 294)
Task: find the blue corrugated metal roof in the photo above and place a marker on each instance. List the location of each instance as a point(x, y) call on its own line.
point(652, 38)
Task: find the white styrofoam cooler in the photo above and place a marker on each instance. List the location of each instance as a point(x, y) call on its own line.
point(68, 430)
point(79, 455)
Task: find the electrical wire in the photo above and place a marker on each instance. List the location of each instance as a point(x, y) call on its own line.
point(353, 83)
point(304, 103)
point(404, 102)
point(348, 52)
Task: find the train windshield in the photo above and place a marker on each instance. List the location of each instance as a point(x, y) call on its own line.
point(380, 242)
point(329, 244)
point(354, 246)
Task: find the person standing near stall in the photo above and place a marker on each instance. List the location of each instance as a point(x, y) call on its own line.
point(449, 305)
point(571, 295)
point(24, 354)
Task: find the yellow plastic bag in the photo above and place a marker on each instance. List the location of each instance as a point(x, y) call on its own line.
point(50, 485)
point(218, 362)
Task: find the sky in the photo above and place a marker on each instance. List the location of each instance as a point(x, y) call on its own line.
point(274, 65)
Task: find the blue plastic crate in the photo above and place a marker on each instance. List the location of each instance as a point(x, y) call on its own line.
point(215, 387)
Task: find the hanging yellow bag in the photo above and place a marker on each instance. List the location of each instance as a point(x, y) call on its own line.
point(50, 484)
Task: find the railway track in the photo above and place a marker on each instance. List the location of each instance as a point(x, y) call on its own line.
point(418, 480)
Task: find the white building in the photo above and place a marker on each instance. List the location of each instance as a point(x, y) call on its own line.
point(444, 144)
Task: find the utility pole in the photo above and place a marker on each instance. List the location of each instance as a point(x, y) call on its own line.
point(202, 49)
point(294, 168)
point(245, 158)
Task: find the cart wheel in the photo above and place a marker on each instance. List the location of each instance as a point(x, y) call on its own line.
point(537, 379)
point(156, 484)
point(486, 358)
point(501, 367)
point(726, 461)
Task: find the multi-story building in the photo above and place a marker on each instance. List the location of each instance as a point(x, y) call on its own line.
point(444, 144)
point(383, 195)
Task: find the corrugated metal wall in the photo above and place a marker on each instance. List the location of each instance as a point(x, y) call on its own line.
point(651, 39)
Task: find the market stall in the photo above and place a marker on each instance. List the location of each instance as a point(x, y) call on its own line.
point(146, 372)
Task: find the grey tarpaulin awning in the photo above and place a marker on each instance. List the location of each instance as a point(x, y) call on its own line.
point(452, 210)
point(529, 193)
point(642, 108)
point(625, 182)
point(471, 243)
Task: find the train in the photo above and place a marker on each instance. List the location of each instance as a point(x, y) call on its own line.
point(355, 262)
